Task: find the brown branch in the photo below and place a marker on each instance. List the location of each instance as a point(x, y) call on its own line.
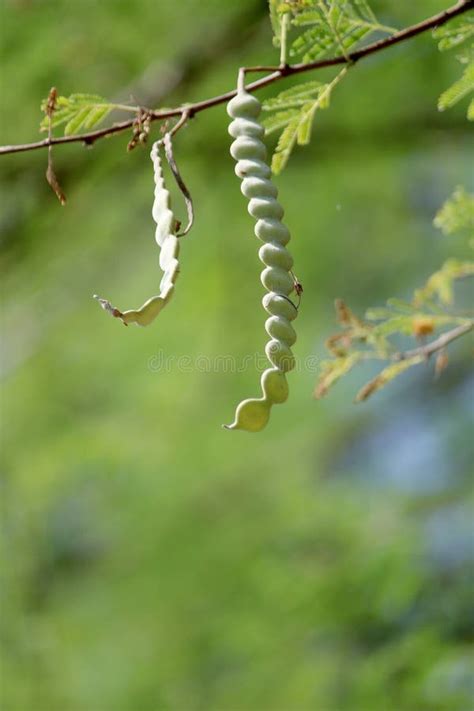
point(276, 73)
point(438, 344)
point(407, 359)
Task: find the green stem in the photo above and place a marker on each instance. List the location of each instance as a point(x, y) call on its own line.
point(122, 107)
point(285, 26)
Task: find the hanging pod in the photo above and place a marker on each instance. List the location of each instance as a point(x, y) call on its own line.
point(277, 277)
point(167, 239)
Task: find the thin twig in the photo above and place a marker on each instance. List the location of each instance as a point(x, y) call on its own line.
point(185, 116)
point(438, 344)
point(276, 73)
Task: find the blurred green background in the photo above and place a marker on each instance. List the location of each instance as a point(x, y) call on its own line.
point(153, 561)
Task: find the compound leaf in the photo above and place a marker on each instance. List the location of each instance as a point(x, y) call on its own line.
point(77, 112)
point(457, 213)
point(333, 26)
point(455, 32)
point(295, 109)
point(458, 90)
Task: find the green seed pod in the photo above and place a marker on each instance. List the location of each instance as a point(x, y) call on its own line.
point(250, 153)
point(166, 239)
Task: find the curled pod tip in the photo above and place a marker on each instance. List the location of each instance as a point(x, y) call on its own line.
point(166, 239)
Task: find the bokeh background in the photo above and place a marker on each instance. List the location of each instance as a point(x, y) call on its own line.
point(153, 561)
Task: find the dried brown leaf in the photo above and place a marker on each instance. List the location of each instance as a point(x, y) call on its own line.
point(53, 180)
point(386, 375)
point(332, 371)
point(343, 312)
point(441, 362)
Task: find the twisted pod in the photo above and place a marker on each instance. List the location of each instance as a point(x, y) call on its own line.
point(250, 153)
point(167, 240)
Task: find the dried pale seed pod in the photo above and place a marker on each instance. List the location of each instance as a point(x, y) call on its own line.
point(250, 153)
point(167, 240)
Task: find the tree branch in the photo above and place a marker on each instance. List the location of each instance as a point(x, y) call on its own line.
point(276, 73)
point(438, 344)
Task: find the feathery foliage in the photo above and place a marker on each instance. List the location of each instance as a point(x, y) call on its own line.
point(455, 33)
point(79, 112)
point(323, 27)
point(332, 27)
point(430, 310)
point(275, 20)
point(293, 110)
point(433, 305)
point(360, 340)
point(457, 91)
point(457, 213)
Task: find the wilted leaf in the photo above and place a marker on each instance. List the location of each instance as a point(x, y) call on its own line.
point(441, 362)
point(343, 313)
point(333, 370)
point(346, 316)
point(339, 343)
point(441, 283)
point(49, 107)
point(54, 182)
point(386, 376)
point(422, 326)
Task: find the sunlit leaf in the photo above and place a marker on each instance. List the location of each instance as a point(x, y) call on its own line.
point(295, 96)
point(279, 120)
point(458, 90)
point(333, 27)
point(470, 110)
point(78, 112)
point(295, 109)
point(286, 143)
point(455, 32)
point(275, 20)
